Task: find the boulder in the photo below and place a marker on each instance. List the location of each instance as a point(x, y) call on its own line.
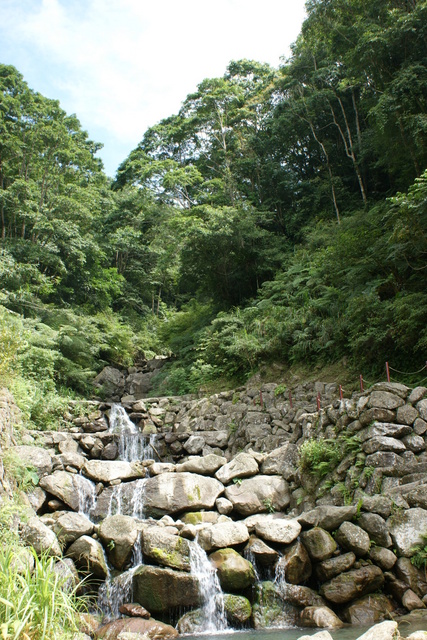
point(320, 635)
point(385, 400)
point(194, 444)
point(238, 609)
point(295, 564)
point(414, 443)
point(353, 538)
point(260, 552)
point(327, 517)
point(160, 589)
point(319, 543)
point(88, 556)
point(223, 534)
point(140, 626)
point(258, 494)
point(377, 504)
point(417, 497)
point(353, 584)
point(384, 429)
point(70, 488)
point(375, 526)
point(281, 462)
point(383, 631)
point(242, 466)
point(118, 534)
point(411, 601)
point(321, 617)
point(69, 526)
point(165, 548)
point(33, 457)
point(36, 534)
point(384, 558)
point(68, 574)
point(224, 506)
point(332, 567)
point(383, 443)
point(134, 610)
point(106, 471)
point(126, 498)
point(161, 467)
point(407, 530)
point(300, 596)
point(368, 610)
point(205, 465)
point(174, 492)
point(406, 414)
point(111, 381)
point(269, 609)
point(422, 409)
point(234, 572)
point(191, 623)
point(413, 577)
point(281, 530)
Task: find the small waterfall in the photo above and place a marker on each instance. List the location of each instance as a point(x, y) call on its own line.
point(138, 500)
point(213, 612)
point(87, 496)
point(115, 506)
point(133, 445)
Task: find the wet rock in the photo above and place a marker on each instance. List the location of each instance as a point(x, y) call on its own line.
point(38, 535)
point(295, 564)
point(262, 553)
point(144, 628)
point(353, 584)
point(174, 492)
point(384, 558)
point(353, 538)
point(242, 466)
point(223, 534)
point(383, 631)
point(67, 487)
point(118, 534)
point(321, 617)
point(411, 601)
point(327, 517)
point(238, 609)
point(269, 610)
point(413, 577)
point(300, 596)
point(407, 529)
point(106, 471)
point(259, 494)
point(332, 567)
point(376, 527)
point(166, 549)
point(368, 610)
point(234, 572)
point(134, 610)
point(69, 526)
point(88, 556)
point(280, 530)
point(319, 543)
point(160, 589)
point(191, 623)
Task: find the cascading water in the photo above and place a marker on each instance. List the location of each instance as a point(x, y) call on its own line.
point(133, 445)
point(213, 611)
point(87, 496)
point(138, 499)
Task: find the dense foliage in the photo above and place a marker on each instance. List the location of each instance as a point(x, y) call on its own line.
point(280, 215)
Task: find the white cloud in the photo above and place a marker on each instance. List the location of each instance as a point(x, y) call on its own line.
point(122, 65)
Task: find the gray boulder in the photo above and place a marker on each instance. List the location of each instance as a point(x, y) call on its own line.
point(353, 584)
point(320, 617)
point(258, 494)
point(407, 530)
point(174, 492)
point(223, 534)
point(281, 461)
point(69, 526)
point(353, 538)
point(160, 589)
point(242, 466)
point(368, 610)
point(165, 548)
point(319, 543)
point(106, 471)
point(328, 569)
point(38, 535)
point(280, 530)
point(296, 564)
point(118, 535)
point(36, 457)
point(205, 465)
point(261, 552)
point(67, 487)
point(88, 556)
point(376, 527)
point(327, 517)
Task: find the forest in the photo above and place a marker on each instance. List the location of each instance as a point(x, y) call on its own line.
point(280, 216)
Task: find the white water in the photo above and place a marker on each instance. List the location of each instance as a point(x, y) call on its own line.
point(212, 598)
point(87, 496)
point(133, 445)
point(138, 499)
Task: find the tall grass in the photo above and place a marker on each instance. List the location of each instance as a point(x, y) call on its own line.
point(34, 603)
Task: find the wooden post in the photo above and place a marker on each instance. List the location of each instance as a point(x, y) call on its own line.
point(341, 395)
point(387, 369)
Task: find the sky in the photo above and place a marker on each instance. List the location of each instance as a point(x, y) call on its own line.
point(123, 65)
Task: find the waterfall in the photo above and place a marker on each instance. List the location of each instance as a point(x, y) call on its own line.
point(138, 500)
point(115, 506)
point(87, 496)
point(212, 598)
point(133, 445)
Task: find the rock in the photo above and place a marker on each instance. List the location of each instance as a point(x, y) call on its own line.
point(422, 409)
point(234, 572)
point(417, 394)
point(39, 536)
point(68, 574)
point(33, 457)
point(411, 601)
point(106, 471)
point(320, 617)
point(111, 381)
point(414, 443)
point(36, 498)
point(385, 400)
point(201, 517)
point(71, 459)
point(418, 635)
point(69, 526)
point(242, 466)
point(383, 631)
point(191, 623)
point(420, 427)
point(392, 463)
point(143, 628)
point(353, 584)
point(161, 467)
point(118, 534)
point(406, 414)
point(261, 552)
point(223, 534)
point(281, 530)
point(166, 549)
point(238, 609)
point(300, 596)
point(205, 465)
point(174, 492)
point(384, 558)
point(334, 566)
point(376, 527)
point(281, 461)
point(258, 494)
point(160, 589)
point(407, 530)
point(383, 443)
point(88, 555)
point(384, 429)
point(68, 487)
point(353, 538)
point(269, 610)
point(295, 564)
point(320, 635)
point(380, 415)
point(368, 610)
point(326, 517)
point(224, 506)
point(377, 504)
point(413, 577)
point(319, 543)
point(194, 444)
point(129, 495)
point(134, 610)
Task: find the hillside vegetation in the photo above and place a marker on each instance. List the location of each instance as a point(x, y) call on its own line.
point(280, 216)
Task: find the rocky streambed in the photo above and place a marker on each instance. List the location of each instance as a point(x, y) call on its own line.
point(214, 513)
